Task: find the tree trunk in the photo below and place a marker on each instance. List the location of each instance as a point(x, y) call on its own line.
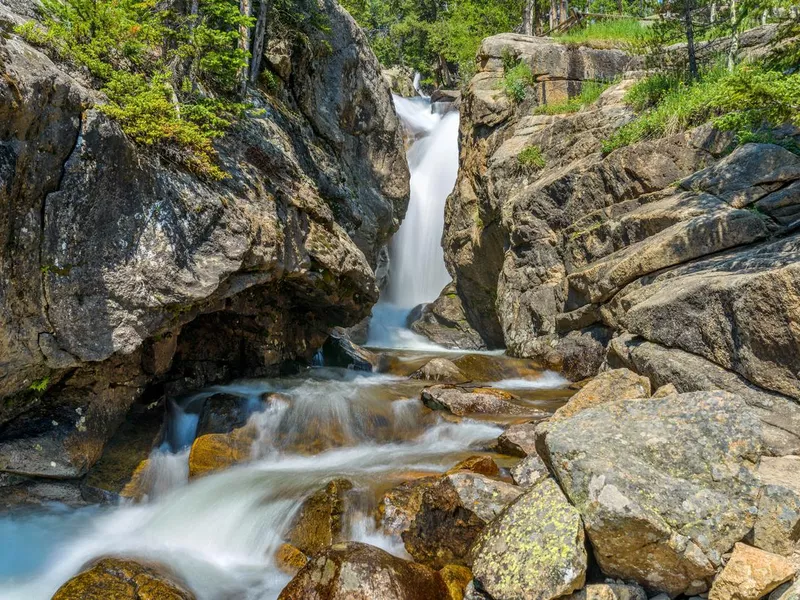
point(258, 40)
point(553, 14)
point(620, 7)
point(733, 51)
point(563, 10)
point(527, 17)
point(537, 18)
point(687, 20)
point(245, 8)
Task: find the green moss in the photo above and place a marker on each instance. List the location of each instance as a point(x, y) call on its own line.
point(40, 385)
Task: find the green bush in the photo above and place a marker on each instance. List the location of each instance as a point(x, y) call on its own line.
point(532, 157)
point(742, 101)
point(517, 78)
point(131, 47)
point(590, 92)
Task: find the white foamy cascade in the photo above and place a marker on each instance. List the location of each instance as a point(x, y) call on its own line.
point(417, 272)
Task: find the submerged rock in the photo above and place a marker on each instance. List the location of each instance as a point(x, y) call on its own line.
point(670, 475)
point(439, 369)
point(321, 520)
point(451, 514)
point(462, 401)
point(355, 571)
point(751, 574)
point(123, 579)
point(534, 549)
point(222, 413)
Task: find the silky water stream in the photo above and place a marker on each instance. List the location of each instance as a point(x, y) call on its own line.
point(220, 532)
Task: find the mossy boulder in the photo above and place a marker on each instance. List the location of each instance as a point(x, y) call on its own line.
point(665, 486)
point(355, 571)
point(456, 578)
point(534, 549)
point(123, 579)
point(290, 559)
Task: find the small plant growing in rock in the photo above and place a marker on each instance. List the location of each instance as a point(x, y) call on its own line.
point(532, 157)
point(517, 78)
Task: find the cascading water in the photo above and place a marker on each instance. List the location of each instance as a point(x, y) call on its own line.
point(417, 271)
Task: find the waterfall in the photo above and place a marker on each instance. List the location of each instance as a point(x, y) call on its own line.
point(417, 271)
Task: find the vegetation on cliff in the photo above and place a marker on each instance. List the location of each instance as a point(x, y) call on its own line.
point(174, 80)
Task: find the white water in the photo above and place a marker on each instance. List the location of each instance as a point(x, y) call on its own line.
point(220, 532)
point(417, 272)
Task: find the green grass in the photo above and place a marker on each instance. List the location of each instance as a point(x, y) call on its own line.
point(532, 157)
point(607, 33)
point(590, 92)
point(746, 100)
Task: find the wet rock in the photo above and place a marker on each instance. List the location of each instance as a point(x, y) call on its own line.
point(482, 465)
point(518, 440)
point(119, 472)
point(123, 579)
point(578, 354)
point(399, 505)
point(22, 492)
point(216, 451)
point(354, 571)
point(534, 549)
point(529, 471)
point(462, 401)
point(439, 369)
point(400, 80)
point(289, 559)
point(777, 526)
point(222, 413)
point(609, 591)
point(321, 520)
point(750, 574)
point(493, 367)
point(443, 322)
point(456, 579)
point(339, 351)
point(674, 475)
point(451, 514)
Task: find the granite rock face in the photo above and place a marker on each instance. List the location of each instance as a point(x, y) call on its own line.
point(123, 273)
point(665, 486)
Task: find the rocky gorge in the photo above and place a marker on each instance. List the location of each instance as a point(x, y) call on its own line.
point(195, 404)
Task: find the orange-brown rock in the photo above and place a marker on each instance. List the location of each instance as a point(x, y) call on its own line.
point(123, 579)
point(289, 559)
point(456, 578)
point(216, 451)
point(321, 520)
point(483, 465)
point(751, 574)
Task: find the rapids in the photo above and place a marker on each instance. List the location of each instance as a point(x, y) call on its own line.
point(220, 532)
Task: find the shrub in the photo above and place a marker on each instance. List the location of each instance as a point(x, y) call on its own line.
point(532, 157)
point(517, 78)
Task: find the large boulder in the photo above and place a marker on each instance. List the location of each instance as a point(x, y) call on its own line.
point(134, 272)
point(665, 486)
point(123, 579)
point(617, 384)
point(533, 549)
point(451, 514)
point(777, 526)
point(354, 571)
